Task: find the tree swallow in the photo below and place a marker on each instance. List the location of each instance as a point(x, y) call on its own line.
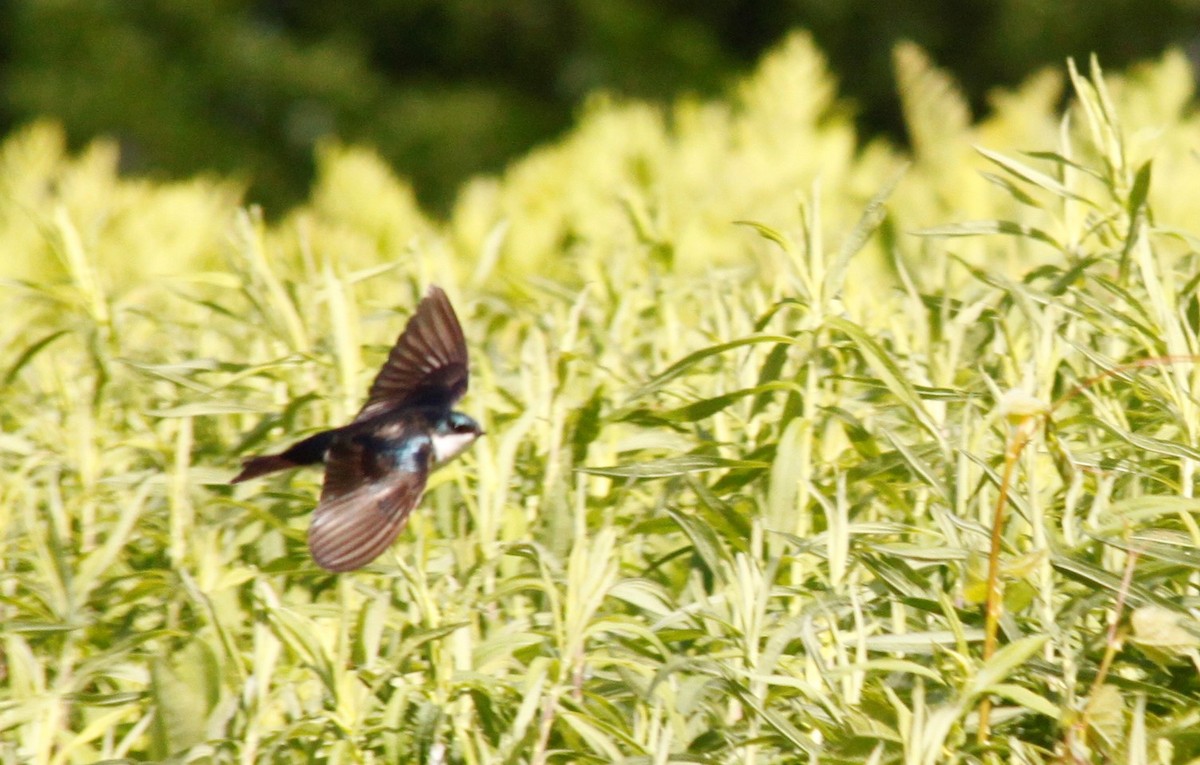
point(376, 467)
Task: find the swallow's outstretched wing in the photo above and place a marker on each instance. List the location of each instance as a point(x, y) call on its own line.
point(427, 367)
point(370, 488)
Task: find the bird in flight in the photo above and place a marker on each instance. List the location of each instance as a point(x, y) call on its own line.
point(376, 467)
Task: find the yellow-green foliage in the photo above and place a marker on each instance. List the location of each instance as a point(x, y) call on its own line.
point(133, 231)
point(745, 381)
point(631, 179)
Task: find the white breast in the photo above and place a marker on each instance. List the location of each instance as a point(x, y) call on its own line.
point(448, 446)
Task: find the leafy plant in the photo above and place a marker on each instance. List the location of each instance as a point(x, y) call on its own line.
point(746, 490)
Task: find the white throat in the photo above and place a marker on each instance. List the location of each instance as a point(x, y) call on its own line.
point(450, 445)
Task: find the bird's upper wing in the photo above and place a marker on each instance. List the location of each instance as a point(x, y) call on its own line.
point(428, 364)
point(365, 500)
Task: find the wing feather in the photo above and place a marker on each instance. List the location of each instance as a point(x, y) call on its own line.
point(428, 364)
point(365, 502)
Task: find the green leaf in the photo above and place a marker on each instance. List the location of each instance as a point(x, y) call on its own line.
point(885, 367)
point(692, 359)
point(587, 425)
point(705, 408)
point(889, 666)
point(1116, 517)
point(919, 466)
point(771, 371)
point(985, 227)
point(205, 409)
point(185, 689)
point(671, 466)
point(1012, 189)
point(29, 354)
point(1028, 174)
point(768, 233)
point(1026, 698)
point(705, 541)
point(1180, 550)
point(872, 215)
point(1140, 191)
point(921, 643)
point(1004, 663)
point(1099, 579)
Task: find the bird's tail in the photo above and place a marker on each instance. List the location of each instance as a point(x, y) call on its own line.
point(256, 466)
point(307, 452)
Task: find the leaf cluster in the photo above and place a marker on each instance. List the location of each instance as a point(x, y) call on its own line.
point(739, 483)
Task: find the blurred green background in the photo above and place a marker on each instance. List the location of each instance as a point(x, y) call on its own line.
point(444, 89)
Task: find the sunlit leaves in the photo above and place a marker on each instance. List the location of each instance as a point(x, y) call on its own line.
point(718, 516)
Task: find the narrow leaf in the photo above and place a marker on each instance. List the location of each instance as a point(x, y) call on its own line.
point(1005, 662)
point(689, 361)
point(1028, 174)
point(872, 215)
point(982, 227)
point(887, 370)
point(671, 466)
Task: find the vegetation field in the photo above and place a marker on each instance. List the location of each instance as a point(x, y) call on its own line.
point(799, 448)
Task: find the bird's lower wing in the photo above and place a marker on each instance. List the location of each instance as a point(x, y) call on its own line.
point(363, 507)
